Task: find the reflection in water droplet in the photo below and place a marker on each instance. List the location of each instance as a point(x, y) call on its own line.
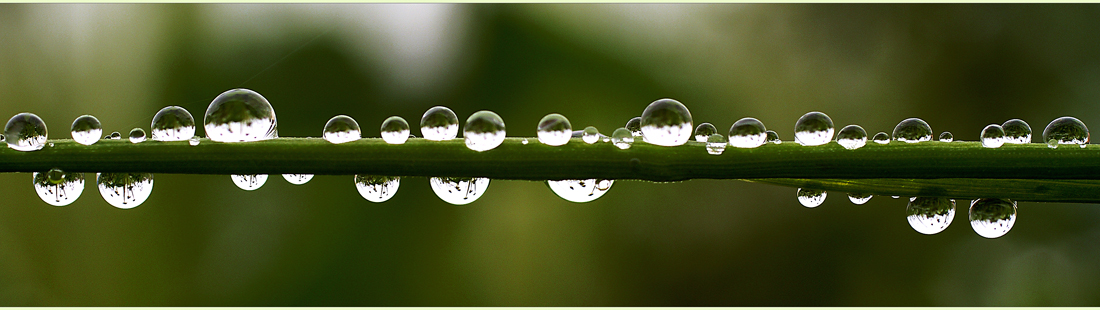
point(930, 215)
point(859, 198)
point(125, 190)
point(946, 136)
point(137, 135)
point(86, 130)
point(913, 130)
point(581, 191)
point(298, 179)
point(772, 136)
point(703, 132)
point(484, 131)
point(881, 138)
point(811, 198)
point(172, 123)
point(193, 141)
point(1063, 130)
point(439, 123)
point(459, 191)
point(395, 130)
point(249, 182)
point(1017, 131)
point(240, 115)
point(635, 126)
point(341, 129)
point(716, 144)
point(590, 135)
point(852, 137)
point(622, 138)
point(554, 129)
point(377, 188)
point(992, 217)
point(814, 128)
point(58, 188)
point(993, 136)
point(666, 122)
point(747, 133)
point(25, 132)
point(115, 136)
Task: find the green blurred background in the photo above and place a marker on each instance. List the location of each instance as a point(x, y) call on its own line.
point(201, 241)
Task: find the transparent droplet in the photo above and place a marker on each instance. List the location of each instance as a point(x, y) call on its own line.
point(814, 128)
point(590, 135)
point(459, 191)
point(635, 126)
point(930, 215)
point(249, 182)
point(946, 136)
point(297, 179)
point(524, 141)
point(622, 138)
point(772, 136)
point(125, 190)
point(193, 141)
point(58, 188)
point(439, 123)
point(25, 132)
point(86, 130)
point(913, 130)
point(703, 132)
point(580, 191)
point(1063, 130)
point(395, 130)
point(341, 129)
point(137, 135)
point(811, 198)
point(172, 123)
point(115, 136)
point(1017, 131)
point(240, 115)
point(992, 217)
point(484, 131)
point(666, 122)
point(716, 144)
point(993, 136)
point(554, 129)
point(377, 188)
point(881, 138)
point(747, 133)
point(859, 198)
point(852, 137)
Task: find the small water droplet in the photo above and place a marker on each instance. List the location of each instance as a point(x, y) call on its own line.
point(439, 123)
point(58, 188)
point(993, 136)
point(125, 190)
point(590, 135)
point(25, 132)
point(459, 191)
point(86, 130)
point(554, 130)
point(240, 115)
point(1066, 130)
point(811, 198)
point(859, 198)
point(992, 217)
point(881, 138)
point(716, 144)
point(341, 129)
point(172, 123)
point(249, 182)
point(395, 130)
point(814, 128)
point(484, 131)
point(772, 136)
point(581, 191)
point(115, 136)
point(946, 136)
point(852, 137)
point(377, 188)
point(748, 133)
point(666, 122)
point(1017, 131)
point(930, 215)
point(193, 141)
point(622, 138)
point(635, 126)
point(703, 132)
point(50, 144)
point(895, 197)
point(297, 179)
point(524, 141)
point(913, 130)
point(137, 135)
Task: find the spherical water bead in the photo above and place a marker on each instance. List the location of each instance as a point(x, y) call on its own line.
point(881, 138)
point(137, 135)
point(913, 130)
point(716, 144)
point(341, 129)
point(125, 190)
point(25, 132)
point(86, 130)
point(635, 126)
point(58, 188)
point(992, 217)
point(993, 136)
point(590, 135)
point(814, 128)
point(377, 188)
point(459, 191)
point(193, 141)
point(115, 136)
point(930, 215)
point(249, 182)
point(580, 191)
point(484, 131)
point(747, 133)
point(240, 115)
point(1017, 131)
point(703, 132)
point(622, 138)
point(395, 130)
point(811, 198)
point(554, 130)
point(859, 198)
point(1063, 130)
point(439, 123)
point(946, 136)
point(172, 123)
point(772, 136)
point(666, 122)
point(852, 137)
point(297, 179)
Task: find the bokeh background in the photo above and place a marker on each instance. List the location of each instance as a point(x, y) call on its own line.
point(201, 241)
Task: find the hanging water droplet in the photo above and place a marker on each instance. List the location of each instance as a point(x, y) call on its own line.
point(297, 179)
point(459, 191)
point(172, 123)
point(992, 217)
point(439, 123)
point(859, 198)
point(580, 191)
point(666, 122)
point(895, 197)
point(341, 129)
point(137, 135)
point(395, 130)
point(115, 136)
point(554, 130)
point(125, 190)
point(852, 137)
point(716, 144)
point(193, 141)
point(913, 130)
point(622, 138)
point(811, 198)
point(86, 130)
point(635, 126)
point(249, 182)
point(58, 188)
point(1063, 130)
point(377, 188)
point(814, 128)
point(590, 135)
point(772, 136)
point(881, 138)
point(930, 215)
point(993, 136)
point(703, 132)
point(1017, 131)
point(240, 115)
point(747, 133)
point(484, 131)
point(946, 136)
point(25, 132)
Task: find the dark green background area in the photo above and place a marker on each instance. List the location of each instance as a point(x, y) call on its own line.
point(201, 241)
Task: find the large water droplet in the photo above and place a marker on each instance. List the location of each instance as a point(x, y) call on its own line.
point(580, 191)
point(172, 123)
point(814, 128)
point(1063, 130)
point(554, 129)
point(193, 141)
point(484, 131)
point(666, 122)
point(992, 217)
point(913, 130)
point(137, 135)
point(1017, 131)
point(811, 198)
point(240, 115)
point(622, 138)
point(747, 133)
point(716, 144)
point(635, 126)
point(439, 123)
point(881, 138)
point(590, 135)
point(125, 190)
point(297, 179)
point(341, 129)
point(852, 137)
point(249, 182)
point(703, 132)
point(993, 136)
point(930, 215)
point(58, 188)
point(859, 198)
point(86, 130)
point(377, 188)
point(946, 136)
point(772, 136)
point(459, 191)
point(115, 136)
point(395, 130)
point(25, 132)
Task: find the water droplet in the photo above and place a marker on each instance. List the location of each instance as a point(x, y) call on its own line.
point(50, 144)
point(1063, 130)
point(930, 215)
point(554, 129)
point(439, 123)
point(859, 198)
point(524, 141)
point(581, 191)
point(772, 136)
point(25, 132)
point(635, 126)
point(484, 131)
point(459, 191)
point(993, 136)
point(703, 132)
point(622, 138)
point(115, 136)
point(249, 182)
point(946, 136)
point(748, 133)
point(193, 141)
point(377, 188)
point(814, 128)
point(341, 129)
point(395, 130)
point(590, 135)
point(240, 115)
point(992, 217)
point(716, 144)
point(811, 198)
point(297, 179)
point(86, 130)
point(137, 135)
point(1017, 131)
point(58, 188)
point(913, 130)
point(172, 123)
point(881, 138)
point(125, 190)
point(852, 137)
point(895, 197)
point(666, 122)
